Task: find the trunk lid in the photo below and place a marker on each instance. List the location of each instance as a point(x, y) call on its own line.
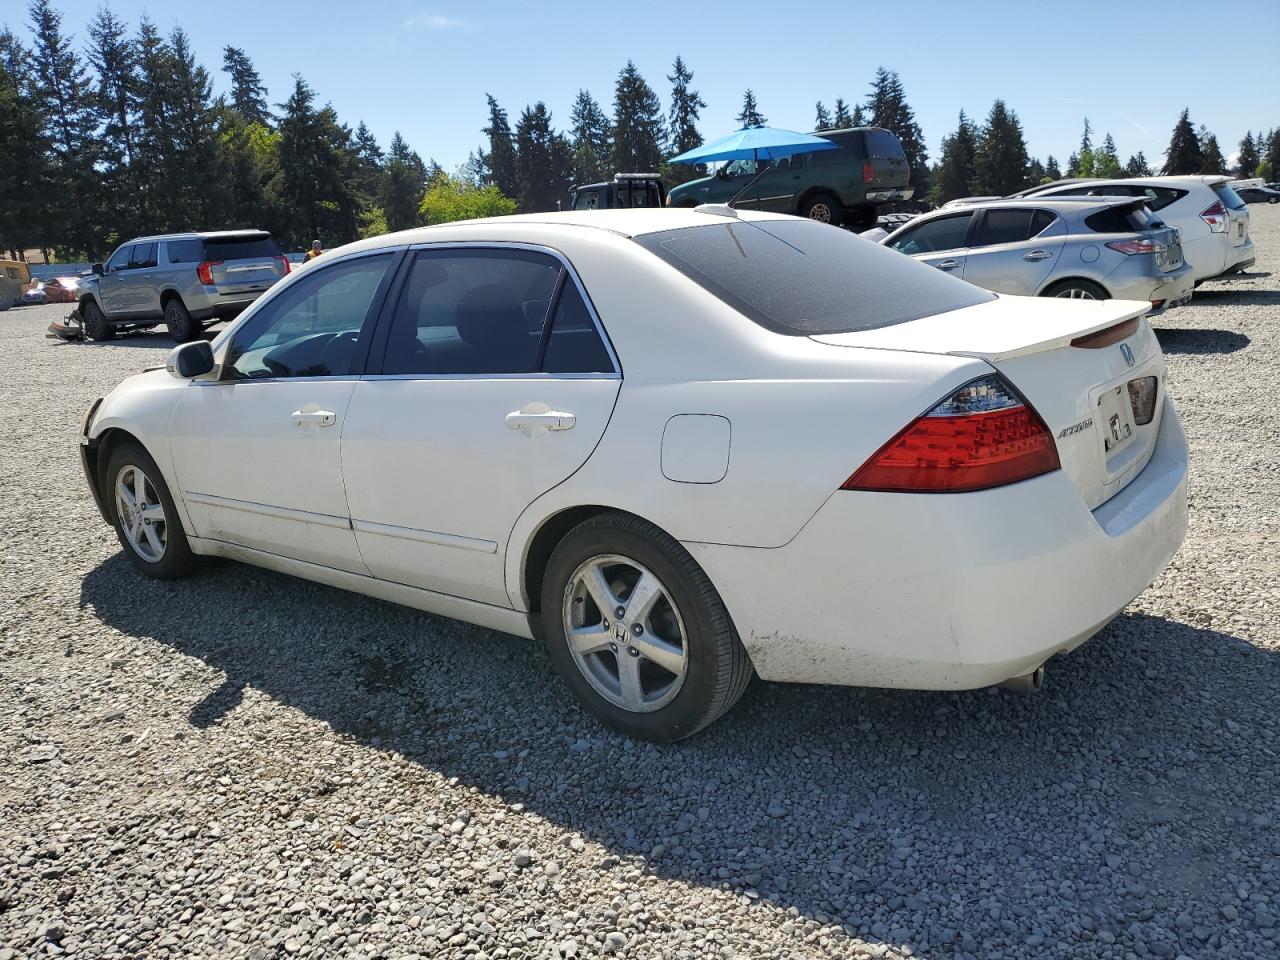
point(1081, 392)
point(244, 263)
point(1237, 212)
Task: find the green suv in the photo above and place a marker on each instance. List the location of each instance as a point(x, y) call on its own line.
point(834, 186)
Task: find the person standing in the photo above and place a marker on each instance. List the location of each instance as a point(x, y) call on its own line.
point(314, 252)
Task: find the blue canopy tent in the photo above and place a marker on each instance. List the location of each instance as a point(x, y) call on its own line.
point(750, 143)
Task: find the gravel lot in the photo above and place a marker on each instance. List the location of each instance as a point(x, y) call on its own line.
point(243, 764)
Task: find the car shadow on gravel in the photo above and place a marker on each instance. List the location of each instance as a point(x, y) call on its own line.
point(1198, 340)
point(1139, 784)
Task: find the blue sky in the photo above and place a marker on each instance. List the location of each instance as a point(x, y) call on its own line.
point(423, 67)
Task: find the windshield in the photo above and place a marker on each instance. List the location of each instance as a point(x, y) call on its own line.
point(737, 168)
point(1229, 197)
point(802, 278)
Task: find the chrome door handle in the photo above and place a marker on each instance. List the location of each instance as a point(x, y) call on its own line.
point(552, 420)
point(317, 418)
point(1037, 255)
point(947, 264)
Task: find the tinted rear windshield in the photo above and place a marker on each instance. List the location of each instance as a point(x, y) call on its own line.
point(802, 278)
point(235, 248)
point(1229, 197)
point(1122, 220)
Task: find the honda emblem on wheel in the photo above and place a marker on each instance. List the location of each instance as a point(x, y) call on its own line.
point(1127, 353)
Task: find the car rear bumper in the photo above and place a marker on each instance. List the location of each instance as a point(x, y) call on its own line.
point(1133, 280)
point(891, 195)
point(952, 591)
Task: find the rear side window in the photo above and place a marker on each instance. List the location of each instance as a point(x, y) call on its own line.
point(1121, 219)
point(1003, 226)
point(882, 143)
point(1230, 199)
point(943, 233)
point(1041, 221)
point(1159, 197)
point(834, 158)
point(142, 255)
point(574, 345)
point(185, 251)
point(801, 278)
point(234, 248)
point(471, 312)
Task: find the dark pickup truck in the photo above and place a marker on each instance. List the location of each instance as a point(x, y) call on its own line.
point(626, 190)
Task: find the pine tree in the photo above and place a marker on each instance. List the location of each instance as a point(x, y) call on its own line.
point(154, 150)
point(311, 170)
point(750, 115)
point(889, 109)
point(500, 161)
point(1184, 154)
point(637, 124)
point(1035, 172)
point(682, 124)
point(200, 192)
point(70, 117)
point(842, 119)
point(1247, 161)
point(1211, 159)
point(114, 60)
point(369, 175)
point(1086, 138)
point(404, 185)
point(1137, 166)
point(590, 139)
point(544, 161)
point(1051, 169)
point(857, 120)
point(24, 217)
point(1001, 162)
point(822, 118)
point(1106, 163)
point(1272, 157)
point(248, 95)
point(957, 172)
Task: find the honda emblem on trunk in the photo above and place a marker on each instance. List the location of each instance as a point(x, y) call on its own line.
point(1127, 353)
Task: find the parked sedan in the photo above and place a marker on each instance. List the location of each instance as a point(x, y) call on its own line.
point(1259, 194)
point(681, 446)
point(1080, 248)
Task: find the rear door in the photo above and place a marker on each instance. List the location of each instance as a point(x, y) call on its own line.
point(244, 265)
point(496, 384)
point(886, 160)
point(1237, 213)
point(941, 242)
point(1014, 250)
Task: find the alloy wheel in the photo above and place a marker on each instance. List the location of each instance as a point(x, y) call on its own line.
point(1075, 293)
point(820, 212)
point(625, 633)
point(141, 514)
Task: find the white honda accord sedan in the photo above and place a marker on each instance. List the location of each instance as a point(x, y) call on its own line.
point(681, 446)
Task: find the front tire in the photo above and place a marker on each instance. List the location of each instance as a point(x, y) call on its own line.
point(181, 326)
point(146, 520)
point(824, 208)
point(96, 325)
point(638, 632)
point(1077, 290)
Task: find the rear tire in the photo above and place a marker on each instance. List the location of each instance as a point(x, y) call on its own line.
point(676, 662)
point(181, 326)
point(1077, 290)
point(96, 325)
point(824, 208)
point(146, 520)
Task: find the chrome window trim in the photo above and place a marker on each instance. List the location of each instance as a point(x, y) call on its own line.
point(534, 248)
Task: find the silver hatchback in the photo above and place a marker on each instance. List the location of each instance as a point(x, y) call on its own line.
point(1088, 248)
point(185, 280)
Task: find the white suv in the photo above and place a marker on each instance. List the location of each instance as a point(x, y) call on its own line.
point(1214, 221)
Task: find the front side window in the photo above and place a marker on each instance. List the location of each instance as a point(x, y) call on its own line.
point(586, 200)
point(119, 260)
point(945, 233)
point(312, 328)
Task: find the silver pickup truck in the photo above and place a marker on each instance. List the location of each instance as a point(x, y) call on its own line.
point(185, 280)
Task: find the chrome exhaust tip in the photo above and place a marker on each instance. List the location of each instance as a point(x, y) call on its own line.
point(1027, 683)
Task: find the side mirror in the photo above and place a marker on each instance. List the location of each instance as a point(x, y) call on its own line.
point(97, 269)
point(190, 360)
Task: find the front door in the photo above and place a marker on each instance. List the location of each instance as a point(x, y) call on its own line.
point(940, 242)
point(258, 450)
point(139, 291)
point(496, 385)
point(1014, 251)
point(111, 285)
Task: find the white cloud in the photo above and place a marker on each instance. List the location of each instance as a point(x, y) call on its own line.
point(434, 21)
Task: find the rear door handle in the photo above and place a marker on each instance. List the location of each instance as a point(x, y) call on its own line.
point(314, 418)
point(552, 420)
point(1037, 255)
point(947, 264)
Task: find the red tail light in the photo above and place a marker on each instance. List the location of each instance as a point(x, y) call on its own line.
point(1216, 217)
point(205, 272)
point(868, 173)
point(1130, 247)
point(284, 262)
point(983, 435)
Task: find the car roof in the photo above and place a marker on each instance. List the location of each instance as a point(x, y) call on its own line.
point(1061, 204)
point(204, 235)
